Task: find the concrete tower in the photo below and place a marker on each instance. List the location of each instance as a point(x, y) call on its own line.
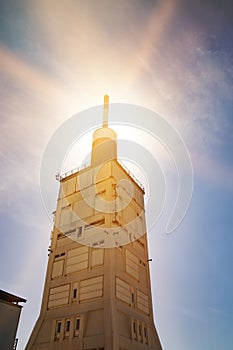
point(97, 293)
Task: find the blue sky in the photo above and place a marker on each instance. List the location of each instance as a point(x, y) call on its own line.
point(174, 57)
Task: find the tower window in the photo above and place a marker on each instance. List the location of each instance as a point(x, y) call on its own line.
point(77, 327)
point(140, 332)
point(59, 327)
point(67, 329)
point(134, 330)
point(145, 334)
point(75, 293)
point(57, 330)
point(67, 325)
point(132, 298)
point(77, 324)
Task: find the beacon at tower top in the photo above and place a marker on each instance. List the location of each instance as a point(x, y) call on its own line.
point(104, 144)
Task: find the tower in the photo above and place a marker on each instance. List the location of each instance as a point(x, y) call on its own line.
point(97, 293)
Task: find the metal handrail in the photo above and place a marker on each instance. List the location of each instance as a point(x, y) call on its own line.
point(131, 175)
point(84, 166)
point(70, 172)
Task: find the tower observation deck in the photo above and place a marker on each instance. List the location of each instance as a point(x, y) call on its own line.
point(97, 293)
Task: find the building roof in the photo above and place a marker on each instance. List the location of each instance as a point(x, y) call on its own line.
point(11, 298)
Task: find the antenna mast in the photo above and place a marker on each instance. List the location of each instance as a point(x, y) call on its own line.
point(105, 114)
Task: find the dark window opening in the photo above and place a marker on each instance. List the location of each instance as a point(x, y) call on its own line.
point(58, 327)
point(75, 293)
point(132, 296)
point(77, 324)
point(67, 325)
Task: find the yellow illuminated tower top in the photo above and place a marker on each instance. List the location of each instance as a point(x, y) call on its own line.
point(97, 293)
point(105, 114)
point(104, 145)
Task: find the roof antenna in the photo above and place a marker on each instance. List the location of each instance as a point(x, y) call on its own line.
point(105, 114)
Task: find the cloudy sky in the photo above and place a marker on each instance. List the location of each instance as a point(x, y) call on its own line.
point(175, 57)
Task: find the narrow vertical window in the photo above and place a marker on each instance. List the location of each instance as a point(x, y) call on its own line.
point(77, 327)
point(134, 330)
point(145, 334)
point(59, 327)
point(75, 293)
point(57, 330)
point(132, 303)
point(132, 298)
point(140, 332)
point(67, 329)
point(67, 325)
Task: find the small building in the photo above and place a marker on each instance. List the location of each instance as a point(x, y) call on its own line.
point(9, 318)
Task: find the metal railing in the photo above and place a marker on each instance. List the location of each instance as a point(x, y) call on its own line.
point(70, 172)
point(84, 166)
point(132, 175)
